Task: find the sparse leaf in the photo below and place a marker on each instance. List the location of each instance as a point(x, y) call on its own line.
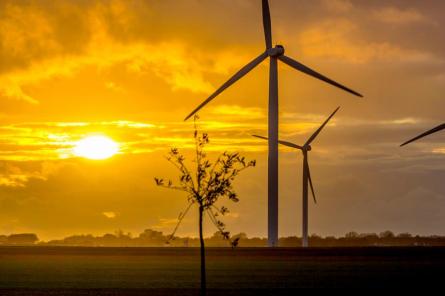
point(233, 197)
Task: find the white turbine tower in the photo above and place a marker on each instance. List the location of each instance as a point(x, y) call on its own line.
point(306, 175)
point(274, 53)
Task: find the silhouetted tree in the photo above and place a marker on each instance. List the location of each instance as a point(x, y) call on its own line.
point(22, 239)
point(404, 235)
point(351, 234)
point(386, 234)
point(204, 186)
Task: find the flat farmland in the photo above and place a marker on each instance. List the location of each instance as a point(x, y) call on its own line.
point(240, 271)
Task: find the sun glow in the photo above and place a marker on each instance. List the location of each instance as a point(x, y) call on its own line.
point(96, 147)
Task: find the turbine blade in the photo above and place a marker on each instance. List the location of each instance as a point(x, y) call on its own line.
point(246, 69)
point(310, 179)
point(285, 143)
point(300, 67)
point(260, 137)
point(267, 24)
point(431, 131)
point(289, 144)
point(314, 135)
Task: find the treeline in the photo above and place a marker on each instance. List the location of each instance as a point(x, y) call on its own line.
point(19, 239)
point(153, 238)
point(354, 239)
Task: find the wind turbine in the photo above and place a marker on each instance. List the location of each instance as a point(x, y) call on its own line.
point(431, 131)
point(306, 174)
point(274, 54)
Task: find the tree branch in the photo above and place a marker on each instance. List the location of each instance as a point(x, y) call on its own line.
point(180, 218)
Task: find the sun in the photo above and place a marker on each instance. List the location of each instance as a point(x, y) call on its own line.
point(96, 147)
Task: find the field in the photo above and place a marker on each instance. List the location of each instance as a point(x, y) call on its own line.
point(243, 271)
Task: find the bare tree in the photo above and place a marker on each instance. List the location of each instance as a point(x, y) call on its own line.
point(205, 186)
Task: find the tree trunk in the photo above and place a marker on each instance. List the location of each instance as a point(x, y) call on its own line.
point(203, 259)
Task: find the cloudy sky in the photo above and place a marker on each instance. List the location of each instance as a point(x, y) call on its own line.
point(132, 70)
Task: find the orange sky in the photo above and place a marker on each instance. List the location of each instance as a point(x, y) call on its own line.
point(132, 70)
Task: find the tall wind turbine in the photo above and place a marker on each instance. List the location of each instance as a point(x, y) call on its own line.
point(274, 54)
point(306, 174)
point(431, 131)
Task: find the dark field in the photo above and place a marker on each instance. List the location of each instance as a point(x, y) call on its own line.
point(243, 271)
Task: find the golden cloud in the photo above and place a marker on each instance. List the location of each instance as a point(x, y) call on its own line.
point(41, 55)
point(394, 15)
point(237, 111)
point(56, 140)
point(334, 39)
point(18, 174)
point(109, 214)
point(338, 5)
point(440, 150)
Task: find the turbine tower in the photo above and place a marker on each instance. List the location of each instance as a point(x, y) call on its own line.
point(306, 175)
point(431, 131)
point(274, 54)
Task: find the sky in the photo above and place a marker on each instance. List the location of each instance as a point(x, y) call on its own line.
point(132, 71)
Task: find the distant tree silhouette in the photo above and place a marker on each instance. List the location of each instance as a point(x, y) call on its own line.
point(204, 186)
point(22, 239)
point(368, 235)
point(153, 238)
point(387, 234)
point(351, 234)
point(404, 235)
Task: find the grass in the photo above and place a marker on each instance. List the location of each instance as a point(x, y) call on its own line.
point(170, 271)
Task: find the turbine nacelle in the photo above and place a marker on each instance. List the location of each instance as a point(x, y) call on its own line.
point(276, 51)
point(306, 148)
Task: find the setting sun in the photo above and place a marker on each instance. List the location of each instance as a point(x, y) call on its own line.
point(96, 147)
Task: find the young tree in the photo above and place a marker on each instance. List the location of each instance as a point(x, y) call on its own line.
point(206, 185)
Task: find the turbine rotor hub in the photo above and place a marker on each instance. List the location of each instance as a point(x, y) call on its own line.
point(307, 148)
point(276, 51)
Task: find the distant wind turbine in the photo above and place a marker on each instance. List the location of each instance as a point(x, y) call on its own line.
point(274, 53)
point(306, 174)
point(431, 131)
